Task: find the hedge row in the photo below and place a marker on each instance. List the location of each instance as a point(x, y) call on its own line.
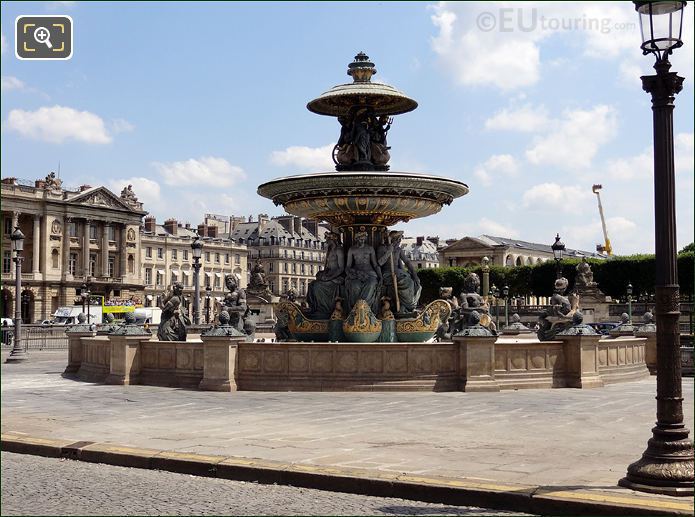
point(612, 275)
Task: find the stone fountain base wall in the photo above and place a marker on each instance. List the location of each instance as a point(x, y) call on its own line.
point(466, 364)
point(348, 367)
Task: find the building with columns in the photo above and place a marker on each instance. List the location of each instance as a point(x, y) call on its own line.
point(469, 252)
point(72, 236)
point(167, 257)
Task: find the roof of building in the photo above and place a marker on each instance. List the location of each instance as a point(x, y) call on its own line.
point(427, 250)
point(272, 228)
point(514, 243)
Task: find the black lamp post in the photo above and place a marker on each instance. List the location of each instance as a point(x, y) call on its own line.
point(629, 301)
point(18, 354)
point(558, 250)
point(505, 294)
point(197, 247)
point(83, 295)
point(208, 290)
point(86, 295)
point(666, 466)
point(494, 292)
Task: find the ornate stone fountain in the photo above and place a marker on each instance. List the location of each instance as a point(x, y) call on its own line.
point(360, 200)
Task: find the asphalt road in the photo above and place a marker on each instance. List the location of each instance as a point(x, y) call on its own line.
point(33, 485)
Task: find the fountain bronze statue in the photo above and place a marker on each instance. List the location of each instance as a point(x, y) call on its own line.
point(365, 267)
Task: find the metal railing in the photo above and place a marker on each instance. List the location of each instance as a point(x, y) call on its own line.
point(38, 337)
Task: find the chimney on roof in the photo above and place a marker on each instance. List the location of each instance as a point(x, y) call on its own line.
point(85, 187)
point(297, 223)
point(150, 224)
point(286, 222)
point(262, 221)
point(8, 181)
point(212, 231)
point(434, 240)
point(171, 226)
point(202, 230)
point(419, 240)
point(312, 226)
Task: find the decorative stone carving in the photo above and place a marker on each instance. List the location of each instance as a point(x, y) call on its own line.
point(472, 301)
point(108, 326)
point(361, 325)
point(362, 274)
point(223, 328)
point(578, 327)
point(235, 302)
point(128, 195)
point(559, 316)
point(258, 283)
point(474, 328)
point(56, 227)
point(400, 279)
point(129, 328)
point(82, 325)
point(328, 286)
point(516, 327)
point(648, 324)
point(52, 182)
point(174, 316)
point(130, 235)
point(584, 276)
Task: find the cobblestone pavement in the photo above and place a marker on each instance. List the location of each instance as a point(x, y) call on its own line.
point(560, 437)
point(32, 485)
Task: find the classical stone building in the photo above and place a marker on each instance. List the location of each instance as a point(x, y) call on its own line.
point(72, 236)
point(421, 251)
point(167, 257)
point(501, 251)
point(291, 249)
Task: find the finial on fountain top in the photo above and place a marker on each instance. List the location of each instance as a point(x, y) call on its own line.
point(361, 69)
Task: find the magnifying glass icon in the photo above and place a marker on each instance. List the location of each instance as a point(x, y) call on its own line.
point(42, 35)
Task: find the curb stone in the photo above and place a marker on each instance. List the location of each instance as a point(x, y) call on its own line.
point(541, 500)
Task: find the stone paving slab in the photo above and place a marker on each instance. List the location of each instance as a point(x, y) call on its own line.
point(558, 439)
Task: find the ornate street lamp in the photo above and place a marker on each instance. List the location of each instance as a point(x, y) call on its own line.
point(494, 293)
point(505, 294)
point(486, 276)
point(18, 353)
point(86, 294)
point(83, 295)
point(558, 250)
point(629, 301)
point(208, 291)
point(197, 247)
point(666, 466)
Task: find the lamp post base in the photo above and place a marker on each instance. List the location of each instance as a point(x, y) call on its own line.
point(666, 467)
point(17, 356)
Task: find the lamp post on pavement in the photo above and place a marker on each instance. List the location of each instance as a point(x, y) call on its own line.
point(486, 277)
point(18, 354)
point(666, 466)
point(629, 301)
point(494, 292)
point(505, 293)
point(558, 250)
point(208, 291)
point(197, 247)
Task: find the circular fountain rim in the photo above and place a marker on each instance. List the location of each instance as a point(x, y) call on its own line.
point(454, 188)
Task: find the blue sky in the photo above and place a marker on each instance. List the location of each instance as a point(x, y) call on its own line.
point(196, 104)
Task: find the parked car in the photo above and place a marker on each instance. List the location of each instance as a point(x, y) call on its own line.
point(604, 327)
point(45, 322)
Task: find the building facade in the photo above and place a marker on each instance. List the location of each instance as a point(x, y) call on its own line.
point(469, 252)
point(290, 248)
point(72, 236)
point(167, 257)
point(421, 251)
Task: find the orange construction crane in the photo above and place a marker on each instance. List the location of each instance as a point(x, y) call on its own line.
point(606, 247)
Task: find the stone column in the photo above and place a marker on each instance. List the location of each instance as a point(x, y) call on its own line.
point(123, 252)
point(36, 248)
point(125, 359)
point(15, 220)
point(75, 350)
point(85, 247)
point(66, 246)
point(476, 363)
point(105, 249)
point(220, 363)
point(581, 360)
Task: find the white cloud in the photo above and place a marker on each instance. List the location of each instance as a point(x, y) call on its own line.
point(577, 139)
point(52, 6)
point(489, 227)
point(553, 196)
point(305, 158)
point(10, 82)
point(120, 125)
point(621, 231)
point(207, 170)
point(525, 119)
point(59, 123)
point(641, 166)
point(3, 44)
point(147, 191)
point(498, 164)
